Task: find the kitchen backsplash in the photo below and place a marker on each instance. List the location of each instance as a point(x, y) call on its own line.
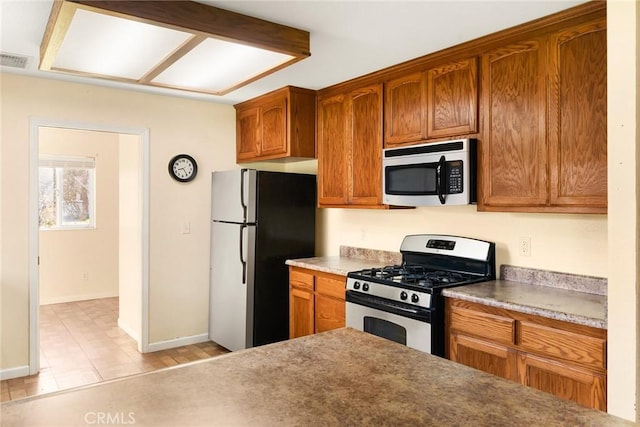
point(573, 282)
point(377, 256)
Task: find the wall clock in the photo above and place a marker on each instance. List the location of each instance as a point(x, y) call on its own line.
point(183, 168)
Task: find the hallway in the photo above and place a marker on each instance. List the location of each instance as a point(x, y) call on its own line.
point(81, 344)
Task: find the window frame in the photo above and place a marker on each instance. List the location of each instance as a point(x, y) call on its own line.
point(59, 163)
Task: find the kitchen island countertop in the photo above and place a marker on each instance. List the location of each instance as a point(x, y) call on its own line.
point(341, 377)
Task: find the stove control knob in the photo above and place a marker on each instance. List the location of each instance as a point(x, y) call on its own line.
point(365, 286)
point(403, 295)
point(415, 298)
point(356, 285)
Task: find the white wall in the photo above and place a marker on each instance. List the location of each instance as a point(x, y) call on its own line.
point(623, 69)
point(83, 264)
point(179, 263)
point(130, 236)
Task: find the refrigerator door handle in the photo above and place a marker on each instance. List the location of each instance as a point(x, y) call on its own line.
point(242, 189)
point(242, 260)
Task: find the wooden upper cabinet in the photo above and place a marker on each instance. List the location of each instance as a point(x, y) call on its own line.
point(332, 151)
point(452, 99)
point(578, 118)
point(441, 101)
point(405, 109)
point(350, 149)
point(544, 138)
point(276, 125)
point(513, 148)
point(364, 124)
point(247, 133)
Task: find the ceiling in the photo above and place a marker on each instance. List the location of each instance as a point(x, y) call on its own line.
point(348, 38)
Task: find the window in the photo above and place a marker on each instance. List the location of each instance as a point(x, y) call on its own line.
point(67, 196)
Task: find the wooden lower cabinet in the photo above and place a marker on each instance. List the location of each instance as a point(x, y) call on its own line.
point(316, 302)
point(484, 355)
point(561, 358)
point(564, 380)
point(300, 312)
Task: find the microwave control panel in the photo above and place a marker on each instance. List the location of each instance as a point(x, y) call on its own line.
point(454, 177)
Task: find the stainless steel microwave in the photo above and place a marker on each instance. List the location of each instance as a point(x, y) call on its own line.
point(434, 174)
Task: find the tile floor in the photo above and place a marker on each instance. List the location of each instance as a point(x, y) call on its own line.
point(80, 344)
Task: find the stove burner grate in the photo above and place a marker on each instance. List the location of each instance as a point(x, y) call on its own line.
point(415, 274)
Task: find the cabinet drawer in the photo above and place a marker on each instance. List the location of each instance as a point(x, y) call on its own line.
point(330, 287)
point(486, 325)
point(300, 279)
point(564, 345)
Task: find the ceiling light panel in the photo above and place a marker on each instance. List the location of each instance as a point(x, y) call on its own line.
point(171, 43)
point(110, 46)
point(216, 65)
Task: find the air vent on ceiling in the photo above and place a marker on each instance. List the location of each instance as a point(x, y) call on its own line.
point(11, 60)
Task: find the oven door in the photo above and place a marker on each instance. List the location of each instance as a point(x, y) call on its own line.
point(385, 320)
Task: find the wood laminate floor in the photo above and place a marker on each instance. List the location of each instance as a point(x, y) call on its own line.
point(81, 343)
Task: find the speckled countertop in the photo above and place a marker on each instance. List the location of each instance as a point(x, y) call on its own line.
point(338, 378)
point(561, 296)
point(350, 259)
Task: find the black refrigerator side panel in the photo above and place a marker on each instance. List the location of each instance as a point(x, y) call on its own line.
point(286, 211)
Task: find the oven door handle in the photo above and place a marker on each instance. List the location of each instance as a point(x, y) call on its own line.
point(417, 313)
point(439, 178)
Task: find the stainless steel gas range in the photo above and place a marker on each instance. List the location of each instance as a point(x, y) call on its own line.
point(404, 303)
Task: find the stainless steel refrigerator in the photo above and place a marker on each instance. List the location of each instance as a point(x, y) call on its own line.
point(259, 220)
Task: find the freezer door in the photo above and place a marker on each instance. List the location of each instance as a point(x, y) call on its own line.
point(231, 285)
point(233, 195)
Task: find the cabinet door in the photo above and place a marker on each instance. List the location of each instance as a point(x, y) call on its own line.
point(578, 116)
point(486, 356)
point(330, 313)
point(248, 133)
point(583, 387)
point(332, 151)
point(513, 147)
point(274, 128)
point(364, 124)
point(452, 99)
point(405, 115)
point(300, 312)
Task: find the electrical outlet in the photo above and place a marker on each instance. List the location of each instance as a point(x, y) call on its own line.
point(85, 276)
point(186, 227)
point(524, 246)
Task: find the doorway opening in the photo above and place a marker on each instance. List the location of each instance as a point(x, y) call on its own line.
point(117, 235)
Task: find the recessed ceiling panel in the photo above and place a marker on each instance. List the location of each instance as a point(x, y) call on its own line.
point(216, 65)
point(106, 45)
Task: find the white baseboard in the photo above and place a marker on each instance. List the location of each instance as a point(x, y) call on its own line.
point(178, 342)
point(129, 331)
point(73, 298)
point(10, 373)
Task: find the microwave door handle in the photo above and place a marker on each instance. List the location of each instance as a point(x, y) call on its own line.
point(440, 180)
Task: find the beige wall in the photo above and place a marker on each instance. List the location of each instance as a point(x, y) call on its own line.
point(130, 236)
point(623, 70)
point(179, 263)
point(83, 264)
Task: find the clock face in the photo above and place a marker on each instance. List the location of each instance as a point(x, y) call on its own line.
point(183, 168)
